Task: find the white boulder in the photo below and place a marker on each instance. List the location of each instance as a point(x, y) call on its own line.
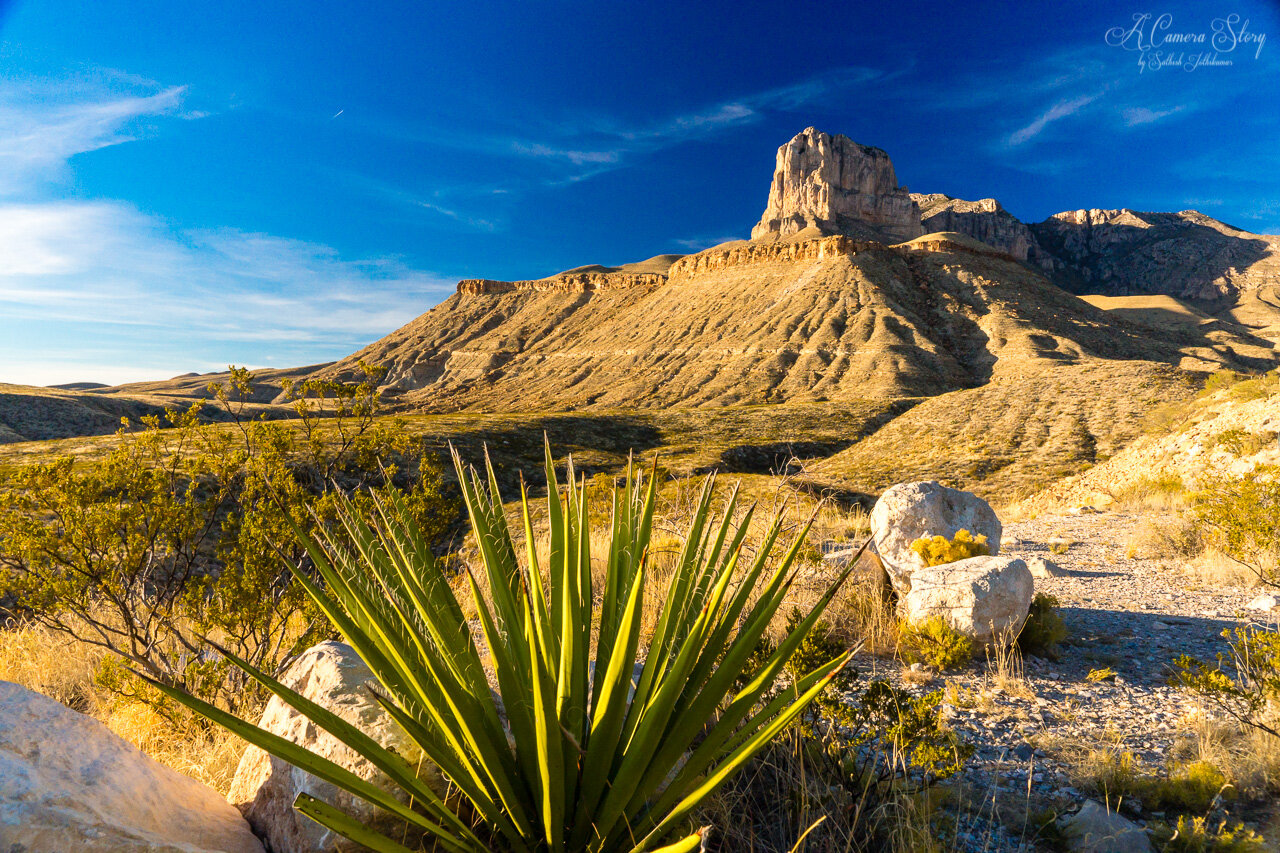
point(1263, 602)
point(67, 782)
point(1094, 829)
point(985, 597)
point(333, 676)
point(909, 511)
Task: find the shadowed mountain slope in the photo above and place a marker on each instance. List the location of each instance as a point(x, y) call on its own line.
point(823, 319)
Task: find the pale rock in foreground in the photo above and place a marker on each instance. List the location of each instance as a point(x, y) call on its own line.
point(1095, 830)
point(1263, 602)
point(332, 675)
point(986, 598)
point(909, 511)
point(69, 783)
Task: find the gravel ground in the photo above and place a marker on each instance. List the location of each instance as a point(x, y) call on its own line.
point(1127, 614)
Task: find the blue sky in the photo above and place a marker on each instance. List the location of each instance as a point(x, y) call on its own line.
point(184, 186)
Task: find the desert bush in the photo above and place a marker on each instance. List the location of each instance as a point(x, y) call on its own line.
point(1044, 628)
point(1191, 788)
point(578, 763)
point(1193, 834)
point(936, 643)
point(1244, 682)
point(182, 530)
point(1239, 442)
point(1164, 490)
point(848, 776)
point(937, 550)
point(1241, 519)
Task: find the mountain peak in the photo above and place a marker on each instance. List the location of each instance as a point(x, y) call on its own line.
point(837, 186)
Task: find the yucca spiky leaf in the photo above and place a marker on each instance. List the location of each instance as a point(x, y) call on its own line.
point(572, 760)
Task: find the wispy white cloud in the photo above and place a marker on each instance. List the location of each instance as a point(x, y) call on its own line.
point(578, 158)
point(697, 244)
point(1134, 116)
point(127, 277)
point(1057, 112)
point(599, 144)
point(44, 123)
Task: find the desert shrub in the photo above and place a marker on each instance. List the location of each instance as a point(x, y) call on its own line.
point(1220, 380)
point(1164, 490)
point(937, 550)
point(847, 777)
point(1191, 788)
point(582, 761)
point(936, 643)
point(1241, 519)
point(1244, 682)
point(1239, 442)
point(1199, 835)
point(1044, 628)
point(183, 529)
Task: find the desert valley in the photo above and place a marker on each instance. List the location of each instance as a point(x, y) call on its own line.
point(1060, 440)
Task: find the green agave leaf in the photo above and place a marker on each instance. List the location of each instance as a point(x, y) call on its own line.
point(346, 826)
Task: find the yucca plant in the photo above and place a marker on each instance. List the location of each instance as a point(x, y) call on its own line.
point(581, 754)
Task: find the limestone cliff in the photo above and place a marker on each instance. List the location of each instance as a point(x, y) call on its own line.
point(1186, 255)
point(837, 186)
point(985, 220)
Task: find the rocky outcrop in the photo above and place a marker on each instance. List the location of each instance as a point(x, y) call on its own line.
point(839, 187)
point(909, 511)
point(333, 676)
point(986, 598)
point(69, 783)
point(745, 254)
point(984, 220)
point(1186, 255)
point(565, 282)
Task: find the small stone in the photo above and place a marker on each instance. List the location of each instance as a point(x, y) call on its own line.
point(1263, 602)
point(1042, 568)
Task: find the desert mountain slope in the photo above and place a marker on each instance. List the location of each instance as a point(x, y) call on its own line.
point(823, 319)
point(1227, 433)
point(1013, 435)
point(1186, 255)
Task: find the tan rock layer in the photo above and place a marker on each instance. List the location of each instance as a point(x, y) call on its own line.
point(570, 283)
point(714, 260)
point(821, 249)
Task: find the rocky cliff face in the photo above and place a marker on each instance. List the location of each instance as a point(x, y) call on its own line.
point(1186, 255)
point(983, 220)
point(567, 282)
point(839, 187)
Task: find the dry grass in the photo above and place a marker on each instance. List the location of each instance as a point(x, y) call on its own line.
point(1215, 569)
point(51, 663)
point(1249, 758)
point(1162, 492)
point(1005, 670)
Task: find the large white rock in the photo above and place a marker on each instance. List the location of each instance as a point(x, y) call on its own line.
point(985, 597)
point(332, 675)
point(1093, 829)
point(908, 511)
point(67, 782)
